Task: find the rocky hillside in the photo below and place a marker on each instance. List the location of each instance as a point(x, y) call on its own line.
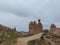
point(8, 36)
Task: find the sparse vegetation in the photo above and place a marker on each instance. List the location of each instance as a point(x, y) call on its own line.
point(9, 39)
point(35, 42)
point(32, 42)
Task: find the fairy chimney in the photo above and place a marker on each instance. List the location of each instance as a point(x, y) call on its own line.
point(53, 28)
point(39, 26)
point(31, 27)
point(35, 28)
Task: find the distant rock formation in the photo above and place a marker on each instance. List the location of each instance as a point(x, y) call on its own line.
point(34, 27)
point(31, 27)
point(39, 26)
point(53, 28)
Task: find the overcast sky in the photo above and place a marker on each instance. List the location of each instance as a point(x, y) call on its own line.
point(18, 13)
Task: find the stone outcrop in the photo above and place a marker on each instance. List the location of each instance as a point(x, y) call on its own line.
point(31, 27)
point(34, 27)
point(53, 28)
point(39, 26)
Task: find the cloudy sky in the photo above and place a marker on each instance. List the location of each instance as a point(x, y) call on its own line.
point(18, 13)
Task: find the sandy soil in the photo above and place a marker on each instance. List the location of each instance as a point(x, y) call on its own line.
point(24, 41)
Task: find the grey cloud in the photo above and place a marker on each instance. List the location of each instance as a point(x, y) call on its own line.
point(46, 10)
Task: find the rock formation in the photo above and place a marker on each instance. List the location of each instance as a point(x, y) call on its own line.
point(34, 27)
point(39, 26)
point(53, 28)
point(31, 27)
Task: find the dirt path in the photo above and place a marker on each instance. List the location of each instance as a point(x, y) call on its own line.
point(52, 43)
point(24, 41)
